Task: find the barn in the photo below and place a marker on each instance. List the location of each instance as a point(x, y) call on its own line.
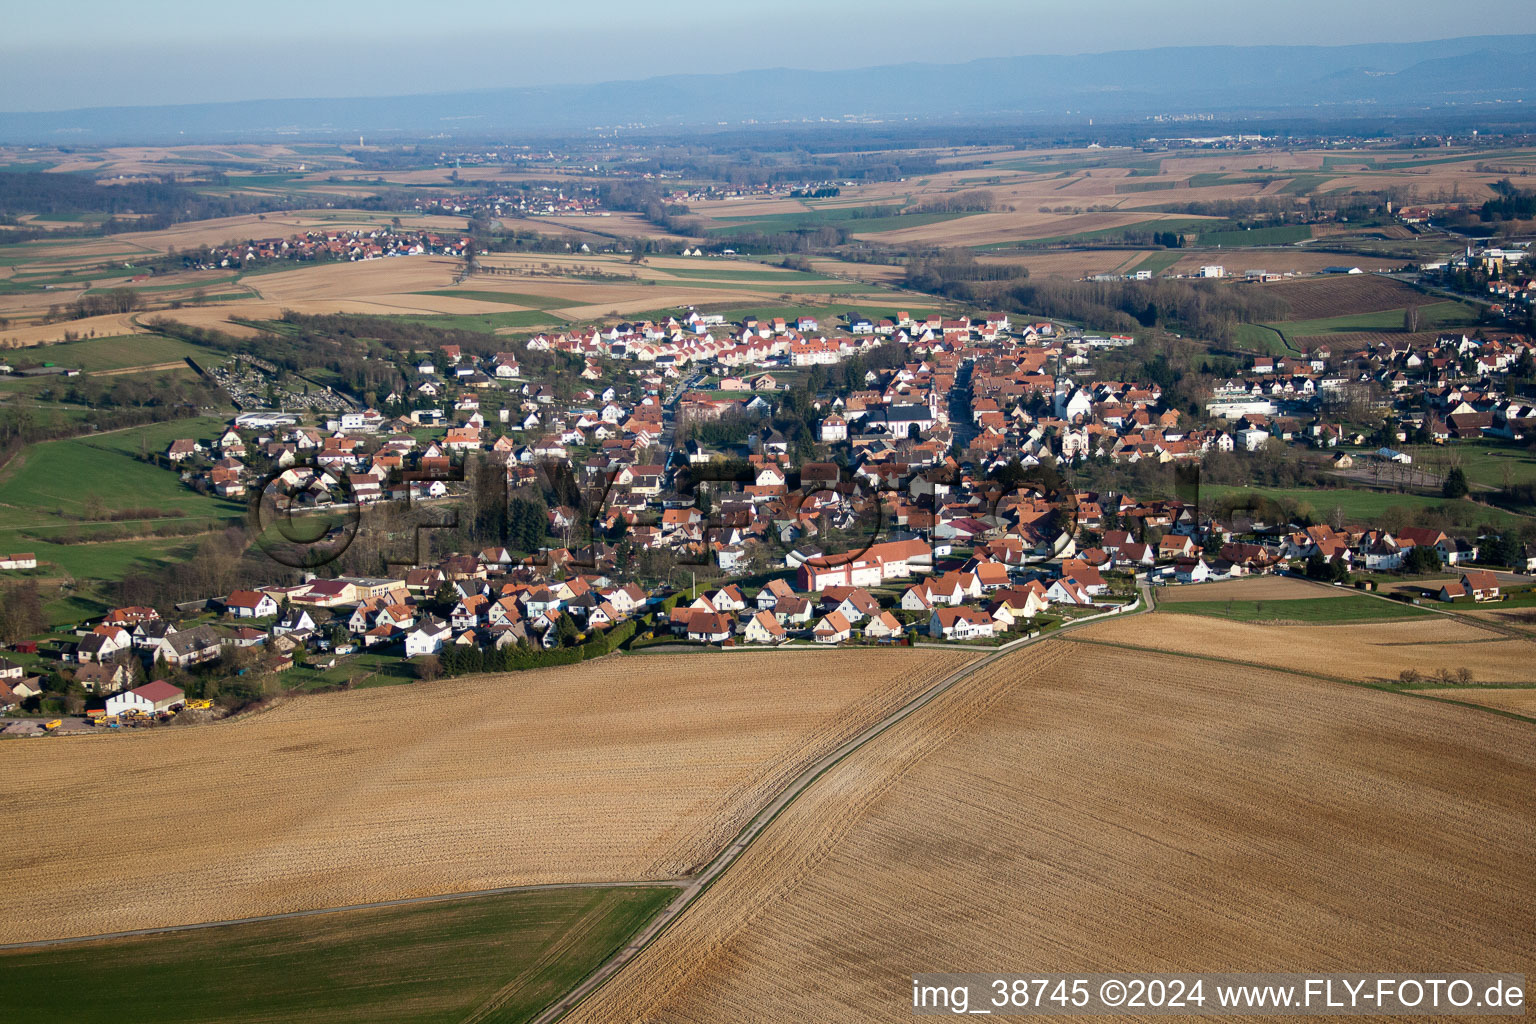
point(149, 698)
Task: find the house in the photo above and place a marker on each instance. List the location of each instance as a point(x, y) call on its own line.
point(763, 628)
point(19, 560)
point(769, 596)
point(427, 637)
point(883, 626)
point(295, 620)
point(1176, 546)
point(101, 677)
point(833, 628)
point(1068, 591)
point(917, 598)
point(1025, 601)
point(960, 624)
point(187, 646)
point(728, 599)
point(708, 627)
point(855, 603)
point(1191, 570)
point(1479, 584)
point(149, 699)
point(250, 604)
point(103, 642)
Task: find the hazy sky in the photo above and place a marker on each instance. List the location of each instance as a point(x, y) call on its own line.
point(60, 54)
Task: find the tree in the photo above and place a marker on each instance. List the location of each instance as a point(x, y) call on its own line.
point(1410, 319)
point(429, 668)
point(1421, 560)
point(21, 612)
point(1455, 485)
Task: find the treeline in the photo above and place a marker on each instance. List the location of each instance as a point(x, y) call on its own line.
point(956, 268)
point(135, 391)
point(21, 612)
point(399, 336)
point(363, 352)
point(464, 659)
point(1362, 208)
point(220, 562)
point(979, 201)
point(1207, 310)
point(118, 300)
point(131, 206)
point(1510, 204)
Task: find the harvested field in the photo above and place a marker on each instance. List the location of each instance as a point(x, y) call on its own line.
point(614, 770)
point(1325, 297)
point(1073, 808)
point(1515, 618)
point(1520, 700)
point(1366, 652)
point(1257, 588)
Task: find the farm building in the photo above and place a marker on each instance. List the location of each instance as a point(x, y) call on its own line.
point(149, 699)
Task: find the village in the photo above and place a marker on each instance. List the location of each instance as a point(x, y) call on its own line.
point(704, 482)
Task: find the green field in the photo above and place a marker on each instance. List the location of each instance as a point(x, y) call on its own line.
point(117, 353)
point(1157, 262)
point(1484, 462)
point(1316, 610)
point(1432, 317)
point(1166, 224)
point(511, 954)
point(510, 298)
point(1262, 339)
point(62, 475)
point(484, 323)
point(858, 219)
point(1303, 184)
point(1283, 234)
point(1363, 506)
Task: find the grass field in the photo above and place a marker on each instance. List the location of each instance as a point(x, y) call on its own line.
point(1157, 262)
point(1484, 462)
point(63, 476)
point(1436, 316)
point(1317, 610)
point(861, 220)
point(1280, 235)
point(1362, 506)
point(1263, 340)
point(1076, 806)
point(510, 955)
point(119, 353)
point(619, 769)
point(55, 476)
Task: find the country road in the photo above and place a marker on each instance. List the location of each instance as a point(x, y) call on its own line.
point(695, 886)
point(690, 887)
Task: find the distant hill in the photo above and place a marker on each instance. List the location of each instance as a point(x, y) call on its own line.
point(1319, 80)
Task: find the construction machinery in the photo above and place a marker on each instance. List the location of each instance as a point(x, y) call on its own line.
point(50, 726)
